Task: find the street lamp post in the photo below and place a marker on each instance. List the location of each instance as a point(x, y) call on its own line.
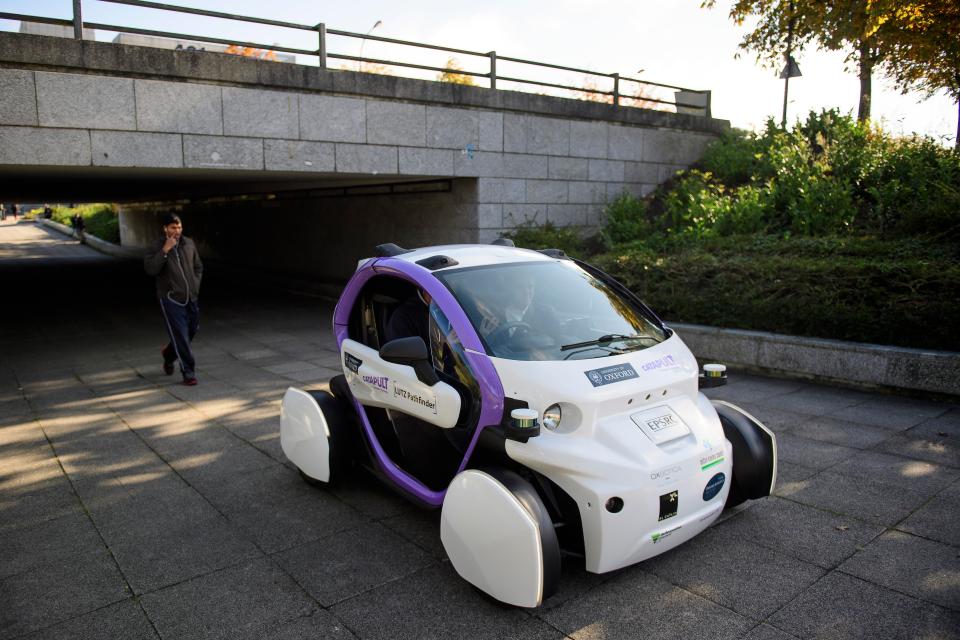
point(790, 70)
point(364, 41)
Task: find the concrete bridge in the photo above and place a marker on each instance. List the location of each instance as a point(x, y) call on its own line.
point(298, 157)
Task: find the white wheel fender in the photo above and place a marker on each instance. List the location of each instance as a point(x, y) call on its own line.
point(305, 434)
point(495, 542)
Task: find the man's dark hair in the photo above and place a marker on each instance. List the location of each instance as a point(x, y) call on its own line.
point(169, 218)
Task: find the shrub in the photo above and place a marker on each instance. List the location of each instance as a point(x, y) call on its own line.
point(100, 220)
point(549, 236)
point(626, 219)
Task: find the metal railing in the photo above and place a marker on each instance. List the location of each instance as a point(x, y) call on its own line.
point(616, 96)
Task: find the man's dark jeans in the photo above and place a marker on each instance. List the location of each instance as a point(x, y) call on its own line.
point(182, 322)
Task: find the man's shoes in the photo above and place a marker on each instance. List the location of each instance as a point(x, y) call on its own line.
point(167, 365)
point(190, 382)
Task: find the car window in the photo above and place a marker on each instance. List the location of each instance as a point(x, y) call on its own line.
point(549, 311)
point(447, 352)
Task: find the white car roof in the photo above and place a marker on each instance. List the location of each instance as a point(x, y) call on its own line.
point(475, 255)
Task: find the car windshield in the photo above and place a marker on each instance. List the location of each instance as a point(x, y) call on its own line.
point(549, 311)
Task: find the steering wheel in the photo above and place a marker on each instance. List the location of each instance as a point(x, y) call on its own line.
point(503, 331)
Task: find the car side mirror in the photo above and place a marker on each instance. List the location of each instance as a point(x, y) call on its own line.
point(412, 352)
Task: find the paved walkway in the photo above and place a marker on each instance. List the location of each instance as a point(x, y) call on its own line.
point(132, 507)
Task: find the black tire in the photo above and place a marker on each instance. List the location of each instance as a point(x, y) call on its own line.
point(549, 546)
point(340, 424)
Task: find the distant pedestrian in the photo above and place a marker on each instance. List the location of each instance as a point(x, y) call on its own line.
point(176, 264)
point(15, 210)
point(47, 211)
point(78, 226)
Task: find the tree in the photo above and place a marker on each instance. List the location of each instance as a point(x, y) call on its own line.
point(450, 74)
point(251, 52)
point(854, 26)
point(925, 49)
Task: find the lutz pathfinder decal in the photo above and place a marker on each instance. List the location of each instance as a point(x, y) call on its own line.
point(609, 375)
point(415, 398)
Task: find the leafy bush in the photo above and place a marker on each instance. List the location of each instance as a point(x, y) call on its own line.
point(626, 219)
point(100, 219)
point(548, 236)
point(900, 292)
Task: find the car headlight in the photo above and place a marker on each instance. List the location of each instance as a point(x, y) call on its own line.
point(551, 417)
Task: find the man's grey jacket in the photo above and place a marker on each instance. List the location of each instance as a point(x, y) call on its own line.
point(178, 271)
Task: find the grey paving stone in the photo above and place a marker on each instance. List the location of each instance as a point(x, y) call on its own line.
point(396, 123)
point(136, 149)
point(319, 624)
point(816, 400)
point(436, 603)
point(938, 518)
point(246, 601)
point(29, 506)
point(942, 450)
point(85, 101)
point(637, 604)
point(333, 118)
point(847, 608)
point(260, 113)
point(278, 510)
point(420, 527)
point(124, 619)
point(736, 573)
point(76, 575)
point(331, 570)
point(921, 477)
point(892, 413)
point(776, 420)
point(298, 155)
point(812, 535)
point(18, 101)
point(43, 146)
point(860, 497)
point(840, 432)
point(368, 495)
point(945, 425)
point(164, 537)
point(911, 565)
point(810, 453)
point(766, 632)
point(179, 107)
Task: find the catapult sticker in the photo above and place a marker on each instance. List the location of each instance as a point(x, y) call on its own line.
point(666, 362)
point(380, 383)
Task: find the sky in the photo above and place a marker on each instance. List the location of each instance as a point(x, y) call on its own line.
point(669, 41)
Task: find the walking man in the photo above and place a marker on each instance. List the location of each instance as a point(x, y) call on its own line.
point(178, 270)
